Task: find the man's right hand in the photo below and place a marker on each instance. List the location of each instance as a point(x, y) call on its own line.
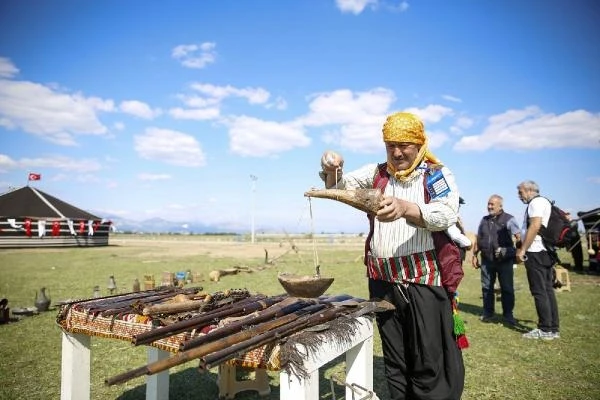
point(475, 262)
point(331, 161)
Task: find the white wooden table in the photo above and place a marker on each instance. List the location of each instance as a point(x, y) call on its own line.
point(359, 366)
point(75, 367)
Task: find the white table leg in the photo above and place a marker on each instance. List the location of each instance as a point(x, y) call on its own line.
point(75, 367)
point(294, 388)
point(359, 366)
point(157, 385)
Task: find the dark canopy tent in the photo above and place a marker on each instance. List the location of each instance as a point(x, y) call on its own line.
point(33, 203)
point(590, 219)
point(591, 223)
point(25, 213)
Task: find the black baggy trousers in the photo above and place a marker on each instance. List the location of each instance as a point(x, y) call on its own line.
point(421, 358)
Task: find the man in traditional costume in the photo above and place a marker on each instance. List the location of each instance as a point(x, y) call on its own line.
point(421, 356)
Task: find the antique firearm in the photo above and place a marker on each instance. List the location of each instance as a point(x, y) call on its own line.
point(197, 352)
point(242, 307)
point(284, 307)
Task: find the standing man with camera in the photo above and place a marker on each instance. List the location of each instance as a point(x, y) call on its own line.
point(495, 243)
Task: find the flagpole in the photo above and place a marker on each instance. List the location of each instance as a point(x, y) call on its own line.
point(253, 179)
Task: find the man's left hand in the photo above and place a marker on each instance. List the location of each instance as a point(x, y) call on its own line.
point(520, 256)
point(391, 209)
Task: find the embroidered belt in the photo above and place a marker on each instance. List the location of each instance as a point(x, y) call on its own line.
point(419, 268)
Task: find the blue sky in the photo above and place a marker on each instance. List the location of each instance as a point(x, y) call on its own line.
point(147, 109)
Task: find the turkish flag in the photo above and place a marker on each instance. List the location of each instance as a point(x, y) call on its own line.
point(34, 177)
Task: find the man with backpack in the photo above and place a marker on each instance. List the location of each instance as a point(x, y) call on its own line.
point(495, 243)
point(421, 357)
point(538, 261)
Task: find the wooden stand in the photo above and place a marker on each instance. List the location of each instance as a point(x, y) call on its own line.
point(562, 274)
point(229, 386)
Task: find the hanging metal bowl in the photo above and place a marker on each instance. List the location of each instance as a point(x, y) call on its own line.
point(309, 286)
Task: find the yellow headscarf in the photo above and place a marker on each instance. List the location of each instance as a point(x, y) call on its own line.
point(403, 127)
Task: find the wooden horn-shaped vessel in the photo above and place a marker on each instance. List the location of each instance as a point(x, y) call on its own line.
point(366, 200)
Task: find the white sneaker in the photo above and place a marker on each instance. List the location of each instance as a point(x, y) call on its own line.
point(539, 334)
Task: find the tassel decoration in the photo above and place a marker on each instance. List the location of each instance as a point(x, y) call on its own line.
point(459, 325)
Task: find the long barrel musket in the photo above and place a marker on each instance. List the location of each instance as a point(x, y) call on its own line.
point(98, 304)
point(312, 318)
point(284, 307)
point(111, 299)
point(131, 294)
point(153, 295)
point(242, 307)
point(177, 307)
point(132, 306)
point(197, 352)
point(171, 308)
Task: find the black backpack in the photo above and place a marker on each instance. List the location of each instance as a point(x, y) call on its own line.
point(561, 232)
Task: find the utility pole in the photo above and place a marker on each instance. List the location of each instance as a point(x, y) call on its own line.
point(253, 179)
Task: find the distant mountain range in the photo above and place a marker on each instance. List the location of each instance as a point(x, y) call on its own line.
point(159, 225)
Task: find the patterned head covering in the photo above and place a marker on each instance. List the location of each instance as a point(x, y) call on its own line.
point(403, 127)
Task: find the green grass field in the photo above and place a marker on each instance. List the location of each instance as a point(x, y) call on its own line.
point(499, 363)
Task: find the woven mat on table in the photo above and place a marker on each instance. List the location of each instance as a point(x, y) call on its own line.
point(264, 357)
point(124, 327)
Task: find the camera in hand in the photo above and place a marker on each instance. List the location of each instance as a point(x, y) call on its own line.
point(504, 253)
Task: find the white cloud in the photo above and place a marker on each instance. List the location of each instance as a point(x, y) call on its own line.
point(257, 138)
point(530, 128)
point(170, 147)
point(437, 138)
point(7, 68)
point(199, 102)
point(431, 114)
point(460, 124)
point(100, 104)
point(154, 177)
point(594, 179)
point(451, 98)
point(55, 116)
point(402, 6)
point(359, 115)
point(119, 126)
point(358, 6)
point(346, 107)
point(218, 93)
point(354, 6)
point(6, 163)
point(74, 169)
point(195, 114)
point(207, 105)
point(278, 104)
point(463, 122)
point(195, 56)
point(63, 163)
point(138, 109)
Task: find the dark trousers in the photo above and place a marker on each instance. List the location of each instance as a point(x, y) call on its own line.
point(539, 274)
point(505, 273)
point(421, 358)
point(577, 254)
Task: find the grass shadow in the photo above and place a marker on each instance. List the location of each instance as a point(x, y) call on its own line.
point(186, 384)
point(190, 384)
